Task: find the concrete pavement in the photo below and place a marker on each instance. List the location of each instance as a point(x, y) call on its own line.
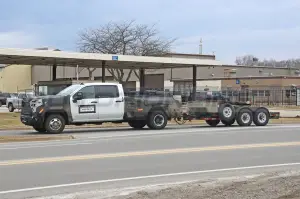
point(96, 161)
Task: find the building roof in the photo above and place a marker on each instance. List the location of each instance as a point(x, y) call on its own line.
point(245, 77)
point(62, 58)
point(191, 55)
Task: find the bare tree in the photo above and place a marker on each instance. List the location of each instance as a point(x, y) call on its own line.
point(247, 60)
point(250, 60)
point(125, 38)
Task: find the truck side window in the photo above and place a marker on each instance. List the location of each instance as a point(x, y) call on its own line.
point(106, 91)
point(88, 92)
point(21, 96)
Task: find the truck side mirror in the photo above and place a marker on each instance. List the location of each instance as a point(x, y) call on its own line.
point(77, 96)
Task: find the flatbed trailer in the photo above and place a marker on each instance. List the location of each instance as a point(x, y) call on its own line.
point(214, 112)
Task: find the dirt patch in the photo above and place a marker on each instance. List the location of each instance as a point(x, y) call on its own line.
point(262, 187)
point(27, 138)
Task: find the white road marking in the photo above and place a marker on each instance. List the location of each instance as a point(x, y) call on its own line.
point(146, 177)
point(43, 146)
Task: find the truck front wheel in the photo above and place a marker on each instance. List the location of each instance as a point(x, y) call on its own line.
point(11, 108)
point(39, 129)
point(157, 120)
point(55, 123)
point(137, 124)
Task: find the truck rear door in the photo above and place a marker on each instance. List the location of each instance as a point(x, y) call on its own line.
point(111, 102)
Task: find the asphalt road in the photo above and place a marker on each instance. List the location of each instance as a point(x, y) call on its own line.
point(111, 158)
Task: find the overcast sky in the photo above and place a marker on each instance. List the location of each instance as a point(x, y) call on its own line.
point(265, 28)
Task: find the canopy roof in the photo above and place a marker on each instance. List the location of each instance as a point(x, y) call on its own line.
point(63, 58)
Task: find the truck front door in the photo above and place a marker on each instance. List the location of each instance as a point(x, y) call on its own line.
point(111, 102)
point(85, 109)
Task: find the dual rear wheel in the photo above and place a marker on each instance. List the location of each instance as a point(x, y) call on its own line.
point(156, 119)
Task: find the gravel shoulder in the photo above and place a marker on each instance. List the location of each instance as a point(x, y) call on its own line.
point(269, 186)
point(273, 185)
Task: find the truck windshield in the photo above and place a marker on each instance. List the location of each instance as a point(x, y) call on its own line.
point(69, 89)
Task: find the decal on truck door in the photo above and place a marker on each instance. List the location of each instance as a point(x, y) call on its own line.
point(87, 109)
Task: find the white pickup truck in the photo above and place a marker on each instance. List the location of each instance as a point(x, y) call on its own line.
point(15, 101)
point(96, 103)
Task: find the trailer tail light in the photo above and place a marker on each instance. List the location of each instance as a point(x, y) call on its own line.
point(140, 110)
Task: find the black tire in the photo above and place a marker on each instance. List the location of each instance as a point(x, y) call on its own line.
point(11, 108)
point(157, 120)
point(228, 123)
point(1, 103)
point(55, 124)
point(244, 117)
point(40, 129)
point(261, 117)
point(213, 123)
point(137, 124)
point(226, 112)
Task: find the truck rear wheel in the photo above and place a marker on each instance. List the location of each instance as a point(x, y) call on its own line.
point(212, 122)
point(137, 124)
point(55, 123)
point(244, 117)
point(226, 123)
point(261, 117)
point(157, 120)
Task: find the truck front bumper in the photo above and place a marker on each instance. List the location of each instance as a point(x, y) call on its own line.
point(31, 120)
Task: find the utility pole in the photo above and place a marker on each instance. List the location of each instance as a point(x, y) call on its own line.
point(200, 47)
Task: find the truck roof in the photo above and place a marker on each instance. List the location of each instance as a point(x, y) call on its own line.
point(99, 83)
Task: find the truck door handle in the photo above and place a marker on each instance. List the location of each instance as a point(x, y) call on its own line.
point(94, 102)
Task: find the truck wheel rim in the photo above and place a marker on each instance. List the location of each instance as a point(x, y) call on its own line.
point(55, 124)
point(245, 118)
point(158, 120)
point(227, 112)
point(262, 117)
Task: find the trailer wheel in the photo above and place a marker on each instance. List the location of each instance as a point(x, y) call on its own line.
point(244, 117)
point(228, 123)
point(213, 123)
point(137, 124)
point(55, 123)
point(226, 112)
point(261, 117)
point(157, 120)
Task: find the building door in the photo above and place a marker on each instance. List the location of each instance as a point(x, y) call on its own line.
point(154, 81)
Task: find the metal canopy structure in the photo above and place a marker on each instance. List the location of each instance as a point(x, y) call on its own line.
point(96, 60)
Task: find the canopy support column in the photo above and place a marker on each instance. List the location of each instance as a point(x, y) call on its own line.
point(54, 67)
point(194, 81)
point(142, 79)
point(103, 71)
